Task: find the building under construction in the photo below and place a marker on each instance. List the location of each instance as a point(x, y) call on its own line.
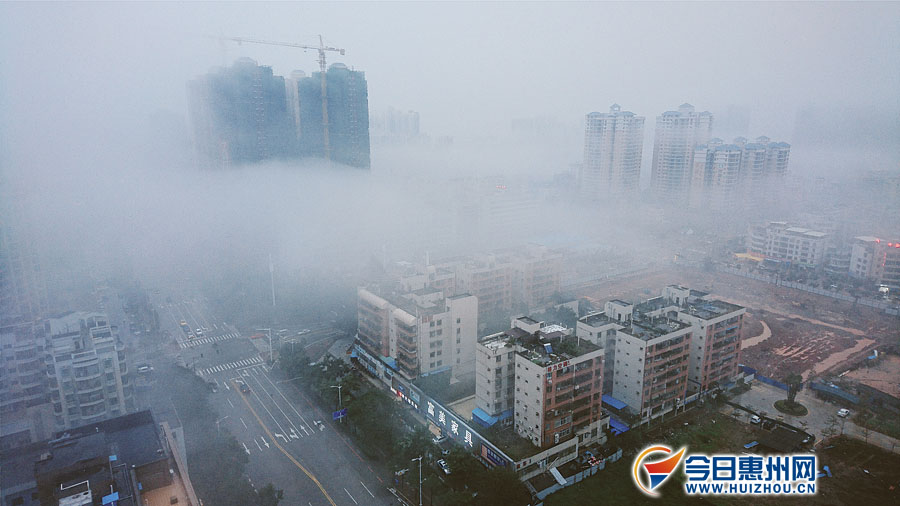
point(245, 114)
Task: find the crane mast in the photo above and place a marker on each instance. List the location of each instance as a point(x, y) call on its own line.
point(321, 48)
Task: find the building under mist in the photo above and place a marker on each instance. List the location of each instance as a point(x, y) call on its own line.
point(613, 143)
point(245, 114)
point(726, 176)
point(678, 133)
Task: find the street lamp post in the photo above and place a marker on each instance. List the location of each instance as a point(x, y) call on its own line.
point(419, 458)
point(340, 401)
point(217, 423)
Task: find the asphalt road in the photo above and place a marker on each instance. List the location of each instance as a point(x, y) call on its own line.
point(313, 463)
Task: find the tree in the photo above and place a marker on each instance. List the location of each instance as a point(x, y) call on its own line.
point(794, 382)
point(269, 495)
point(501, 485)
point(831, 429)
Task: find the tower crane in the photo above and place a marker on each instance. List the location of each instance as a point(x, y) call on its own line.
point(321, 48)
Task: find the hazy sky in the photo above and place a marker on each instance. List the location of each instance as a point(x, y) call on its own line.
point(467, 67)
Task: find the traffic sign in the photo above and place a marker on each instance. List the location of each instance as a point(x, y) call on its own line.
point(337, 415)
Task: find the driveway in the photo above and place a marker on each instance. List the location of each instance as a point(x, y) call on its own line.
point(761, 398)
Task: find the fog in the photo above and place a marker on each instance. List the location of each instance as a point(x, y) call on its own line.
point(98, 161)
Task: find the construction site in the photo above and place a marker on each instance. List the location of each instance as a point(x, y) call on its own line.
point(246, 114)
point(786, 331)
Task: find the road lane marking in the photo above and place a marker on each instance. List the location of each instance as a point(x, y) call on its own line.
point(351, 497)
point(367, 488)
point(229, 403)
point(264, 441)
point(286, 454)
point(291, 405)
point(246, 449)
point(257, 444)
point(242, 422)
point(263, 388)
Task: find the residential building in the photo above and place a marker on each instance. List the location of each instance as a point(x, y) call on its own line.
point(25, 412)
point(495, 377)
point(778, 241)
point(88, 371)
point(558, 384)
point(652, 361)
point(715, 183)
point(128, 460)
point(348, 116)
point(600, 328)
point(716, 336)
point(613, 144)
point(877, 260)
point(678, 133)
point(245, 114)
point(424, 331)
point(23, 291)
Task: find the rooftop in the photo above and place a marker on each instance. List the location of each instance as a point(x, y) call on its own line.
point(596, 319)
point(648, 328)
point(555, 348)
point(708, 309)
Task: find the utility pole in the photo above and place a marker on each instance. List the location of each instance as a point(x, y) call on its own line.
point(272, 277)
point(419, 458)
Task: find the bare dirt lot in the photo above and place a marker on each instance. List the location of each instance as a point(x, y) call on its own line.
point(808, 334)
point(884, 376)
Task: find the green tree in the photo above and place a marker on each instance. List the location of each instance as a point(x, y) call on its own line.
point(794, 382)
point(269, 495)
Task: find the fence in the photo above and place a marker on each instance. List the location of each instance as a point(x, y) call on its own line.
point(891, 309)
point(768, 381)
point(580, 475)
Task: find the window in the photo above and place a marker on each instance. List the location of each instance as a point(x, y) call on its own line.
point(457, 320)
point(498, 359)
point(440, 362)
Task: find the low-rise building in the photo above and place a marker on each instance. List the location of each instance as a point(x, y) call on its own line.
point(423, 330)
point(875, 259)
point(779, 241)
point(127, 460)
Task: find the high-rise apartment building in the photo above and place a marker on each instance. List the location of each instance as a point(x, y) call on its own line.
point(729, 175)
point(678, 133)
point(423, 330)
point(89, 376)
point(25, 412)
point(613, 144)
point(23, 291)
point(245, 114)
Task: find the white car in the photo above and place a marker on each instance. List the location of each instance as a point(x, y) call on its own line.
point(843, 412)
point(755, 419)
point(444, 466)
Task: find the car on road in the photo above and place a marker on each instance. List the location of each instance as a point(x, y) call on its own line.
point(242, 386)
point(199, 332)
point(304, 332)
point(145, 369)
point(755, 419)
point(212, 386)
point(843, 412)
point(444, 466)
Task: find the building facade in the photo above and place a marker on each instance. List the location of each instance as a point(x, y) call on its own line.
point(245, 114)
point(678, 133)
point(89, 379)
point(778, 241)
point(423, 330)
point(613, 144)
point(876, 259)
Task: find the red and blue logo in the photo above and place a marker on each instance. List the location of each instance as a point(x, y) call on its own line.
point(650, 475)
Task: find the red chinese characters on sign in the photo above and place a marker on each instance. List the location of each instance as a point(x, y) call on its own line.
point(560, 365)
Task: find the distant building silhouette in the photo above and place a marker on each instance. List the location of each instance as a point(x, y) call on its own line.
point(678, 133)
point(245, 114)
point(613, 143)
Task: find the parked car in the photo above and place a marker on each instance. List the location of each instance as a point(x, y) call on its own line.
point(438, 439)
point(144, 369)
point(444, 466)
point(212, 386)
point(843, 412)
point(755, 419)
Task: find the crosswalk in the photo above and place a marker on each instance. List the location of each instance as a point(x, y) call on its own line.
point(206, 340)
point(247, 362)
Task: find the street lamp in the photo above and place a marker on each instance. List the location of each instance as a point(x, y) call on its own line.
point(217, 423)
point(419, 458)
point(340, 402)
